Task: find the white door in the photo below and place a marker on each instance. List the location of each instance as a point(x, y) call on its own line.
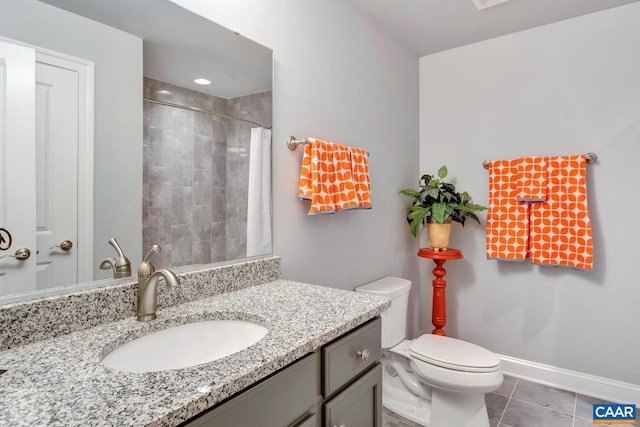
point(17, 166)
point(56, 174)
point(45, 125)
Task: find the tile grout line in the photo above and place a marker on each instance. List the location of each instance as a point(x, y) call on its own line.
point(508, 400)
point(542, 406)
point(575, 404)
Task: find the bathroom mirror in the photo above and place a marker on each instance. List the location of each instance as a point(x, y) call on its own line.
point(162, 174)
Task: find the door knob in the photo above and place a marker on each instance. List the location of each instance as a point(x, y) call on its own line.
point(21, 254)
point(65, 245)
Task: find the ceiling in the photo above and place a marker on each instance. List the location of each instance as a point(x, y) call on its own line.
point(429, 26)
point(242, 67)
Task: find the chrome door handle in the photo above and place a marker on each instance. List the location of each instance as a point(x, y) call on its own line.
point(65, 245)
point(21, 254)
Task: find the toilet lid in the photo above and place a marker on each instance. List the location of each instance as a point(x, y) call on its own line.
point(451, 353)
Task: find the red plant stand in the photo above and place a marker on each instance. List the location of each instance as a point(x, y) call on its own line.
point(439, 308)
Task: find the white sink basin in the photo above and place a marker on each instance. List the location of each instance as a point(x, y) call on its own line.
point(183, 346)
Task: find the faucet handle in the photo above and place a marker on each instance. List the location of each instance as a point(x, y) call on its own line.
point(121, 266)
point(146, 269)
point(122, 259)
point(154, 250)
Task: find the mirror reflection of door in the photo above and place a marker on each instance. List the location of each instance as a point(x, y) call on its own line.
point(17, 151)
point(56, 173)
point(54, 196)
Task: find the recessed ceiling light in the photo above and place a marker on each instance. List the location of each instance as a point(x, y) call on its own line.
point(485, 4)
point(202, 81)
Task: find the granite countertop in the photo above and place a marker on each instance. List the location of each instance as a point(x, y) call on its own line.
point(60, 382)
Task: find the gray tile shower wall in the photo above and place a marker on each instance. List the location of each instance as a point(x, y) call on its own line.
point(30, 321)
point(196, 174)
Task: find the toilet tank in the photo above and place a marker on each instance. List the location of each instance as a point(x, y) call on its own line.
point(394, 319)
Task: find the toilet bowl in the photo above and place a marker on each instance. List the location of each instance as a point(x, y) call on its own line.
point(434, 380)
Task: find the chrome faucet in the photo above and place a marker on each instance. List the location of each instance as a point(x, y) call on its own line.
point(121, 266)
point(148, 285)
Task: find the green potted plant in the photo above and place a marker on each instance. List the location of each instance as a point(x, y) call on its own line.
point(436, 204)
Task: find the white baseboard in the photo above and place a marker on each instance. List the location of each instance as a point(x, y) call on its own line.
point(577, 382)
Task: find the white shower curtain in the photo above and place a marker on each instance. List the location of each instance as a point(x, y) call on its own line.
point(259, 203)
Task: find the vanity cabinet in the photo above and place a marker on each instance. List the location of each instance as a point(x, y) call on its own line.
point(339, 385)
point(352, 378)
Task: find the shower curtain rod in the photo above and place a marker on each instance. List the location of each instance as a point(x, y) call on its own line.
point(200, 110)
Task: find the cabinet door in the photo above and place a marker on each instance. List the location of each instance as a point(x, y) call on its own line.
point(311, 420)
point(359, 405)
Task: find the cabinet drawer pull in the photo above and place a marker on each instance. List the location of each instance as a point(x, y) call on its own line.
point(364, 355)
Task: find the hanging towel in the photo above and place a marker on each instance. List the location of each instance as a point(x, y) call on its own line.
point(360, 174)
point(259, 200)
point(532, 179)
point(327, 178)
point(507, 220)
point(560, 227)
point(305, 184)
point(340, 178)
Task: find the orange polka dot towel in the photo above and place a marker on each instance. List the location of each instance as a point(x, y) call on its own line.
point(532, 179)
point(560, 231)
point(334, 177)
point(507, 219)
point(360, 176)
point(554, 231)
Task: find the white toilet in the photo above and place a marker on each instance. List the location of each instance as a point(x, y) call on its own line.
point(433, 380)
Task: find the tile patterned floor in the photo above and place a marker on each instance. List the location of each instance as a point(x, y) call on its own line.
point(522, 403)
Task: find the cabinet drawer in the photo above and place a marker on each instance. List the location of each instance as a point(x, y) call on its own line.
point(350, 355)
point(275, 402)
point(359, 405)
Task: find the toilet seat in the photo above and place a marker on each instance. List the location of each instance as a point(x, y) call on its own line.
point(454, 354)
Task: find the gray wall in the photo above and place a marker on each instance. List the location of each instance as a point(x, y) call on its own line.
point(564, 88)
point(337, 76)
point(118, 113)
